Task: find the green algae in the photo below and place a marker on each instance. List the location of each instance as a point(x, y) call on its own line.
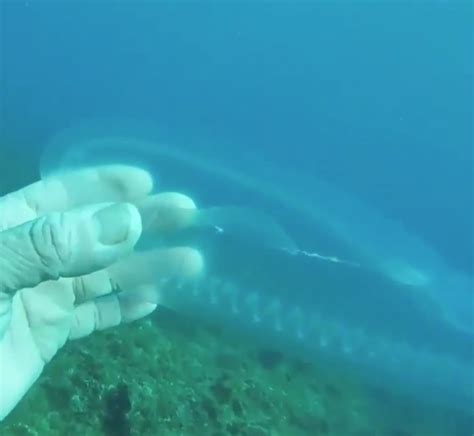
point(172, 376)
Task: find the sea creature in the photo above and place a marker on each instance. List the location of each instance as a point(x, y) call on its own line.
point(303, 267)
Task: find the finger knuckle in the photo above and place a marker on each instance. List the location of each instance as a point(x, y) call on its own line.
point(50, 238)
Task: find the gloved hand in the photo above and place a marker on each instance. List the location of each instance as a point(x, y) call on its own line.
point(57, 239)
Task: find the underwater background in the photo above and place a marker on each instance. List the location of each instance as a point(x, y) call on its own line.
point(374, 98)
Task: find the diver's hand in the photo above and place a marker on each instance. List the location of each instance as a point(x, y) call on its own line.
point(57, 238)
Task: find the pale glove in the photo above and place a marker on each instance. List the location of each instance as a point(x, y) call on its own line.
point(57, 238)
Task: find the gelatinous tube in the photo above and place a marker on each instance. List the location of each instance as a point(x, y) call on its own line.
point(402, 290)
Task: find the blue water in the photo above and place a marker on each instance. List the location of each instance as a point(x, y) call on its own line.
point(373, 99)
point(376, 98)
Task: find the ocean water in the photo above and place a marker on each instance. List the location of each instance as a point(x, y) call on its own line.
point(349, 125)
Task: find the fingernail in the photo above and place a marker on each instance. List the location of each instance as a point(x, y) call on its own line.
point(113, 224)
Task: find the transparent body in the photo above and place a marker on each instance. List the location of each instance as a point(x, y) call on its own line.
point(309, 270)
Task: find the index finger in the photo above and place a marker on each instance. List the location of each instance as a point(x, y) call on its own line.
point(67, 190)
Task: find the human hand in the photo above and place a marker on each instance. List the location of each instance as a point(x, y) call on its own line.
point(65, 247)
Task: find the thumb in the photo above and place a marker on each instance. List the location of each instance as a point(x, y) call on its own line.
point(67, 244)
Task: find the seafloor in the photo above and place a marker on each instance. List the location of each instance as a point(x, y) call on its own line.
point(170, 376)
